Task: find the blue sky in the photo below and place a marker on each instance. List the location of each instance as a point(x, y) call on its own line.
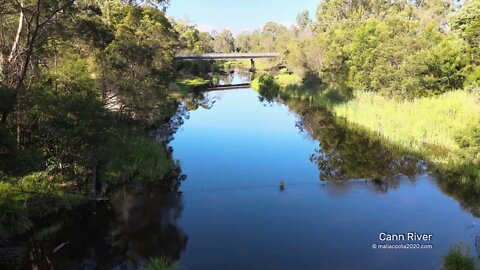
point(239, 15)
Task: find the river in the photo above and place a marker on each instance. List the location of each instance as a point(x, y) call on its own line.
point(276, 185)
point(236, 217)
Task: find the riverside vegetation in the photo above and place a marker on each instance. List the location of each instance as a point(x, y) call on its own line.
point(84, 89)
point(407, 71)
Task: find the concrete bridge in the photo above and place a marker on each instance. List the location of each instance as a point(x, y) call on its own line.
point(227, 56)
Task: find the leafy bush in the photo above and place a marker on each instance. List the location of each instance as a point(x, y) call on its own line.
point(7, 99)
point(135, 157)
point(8, 148)
point(457, 259)
point(159, 264)
point(473, 79)
point(267, 87)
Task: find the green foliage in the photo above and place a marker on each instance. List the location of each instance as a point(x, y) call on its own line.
point(8, 150)
point(396, 48)
point(192, 40)
point(381, 56)
point(467, 22)
point(473, 79)
point(267, 87)
point(146, 66)
point(442, 129)
point(394, 68)
point(96, 70)
point(303, 19)
point(159, 264)
point(136, 157)
point(194, 83)
point(243, 42)
point(13, 219)
point(90, 25)
point(445, 66)
point(7, 99)
point(289, 86)
point(286, 79)
point(457, 259)
point(68, 127)
point(276, 82)
point(470, 139)
point(418, 124)
point(469, 142)
point(23, 200)
point(34, 195)
point(223, 42)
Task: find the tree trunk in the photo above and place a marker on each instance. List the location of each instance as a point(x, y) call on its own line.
point(19, 32)
point(2, 38)
point(93, 181)
point(30, 47)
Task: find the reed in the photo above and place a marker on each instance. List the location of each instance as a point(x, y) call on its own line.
point(421, 125)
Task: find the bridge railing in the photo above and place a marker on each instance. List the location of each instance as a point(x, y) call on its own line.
point(225, 56)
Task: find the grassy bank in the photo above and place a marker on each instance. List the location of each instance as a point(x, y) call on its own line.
point(442, 129)
point(182, 87)
point(431, 121)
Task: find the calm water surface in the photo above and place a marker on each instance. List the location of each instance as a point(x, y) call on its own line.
point(235, 216)
point(235, 149)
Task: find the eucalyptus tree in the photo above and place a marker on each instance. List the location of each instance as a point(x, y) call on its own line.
point(303, 19)
point(223, 42)
point(36, 18)
point(191, 40)
point(466, 22)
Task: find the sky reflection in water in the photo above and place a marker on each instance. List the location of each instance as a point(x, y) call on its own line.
point(236, 153)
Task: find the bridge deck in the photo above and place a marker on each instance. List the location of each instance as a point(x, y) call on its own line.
point(228, 87)
point(225, 56)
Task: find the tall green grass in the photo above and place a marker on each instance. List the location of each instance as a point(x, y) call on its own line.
point(283, 80)
point(444, 129)
point(182, 87)
point(423, 125)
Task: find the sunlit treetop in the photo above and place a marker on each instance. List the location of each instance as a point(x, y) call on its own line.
point(161, 4)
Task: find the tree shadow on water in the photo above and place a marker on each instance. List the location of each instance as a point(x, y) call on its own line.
point(138, 223)
point(347, 151)
point(134, 227)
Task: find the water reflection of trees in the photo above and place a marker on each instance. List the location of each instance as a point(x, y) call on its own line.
point(347, 153)
point(238, 74)
point(190, 102)
point(146, 226)
point(342, 188)
point(122, 234)
point(469, 198)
